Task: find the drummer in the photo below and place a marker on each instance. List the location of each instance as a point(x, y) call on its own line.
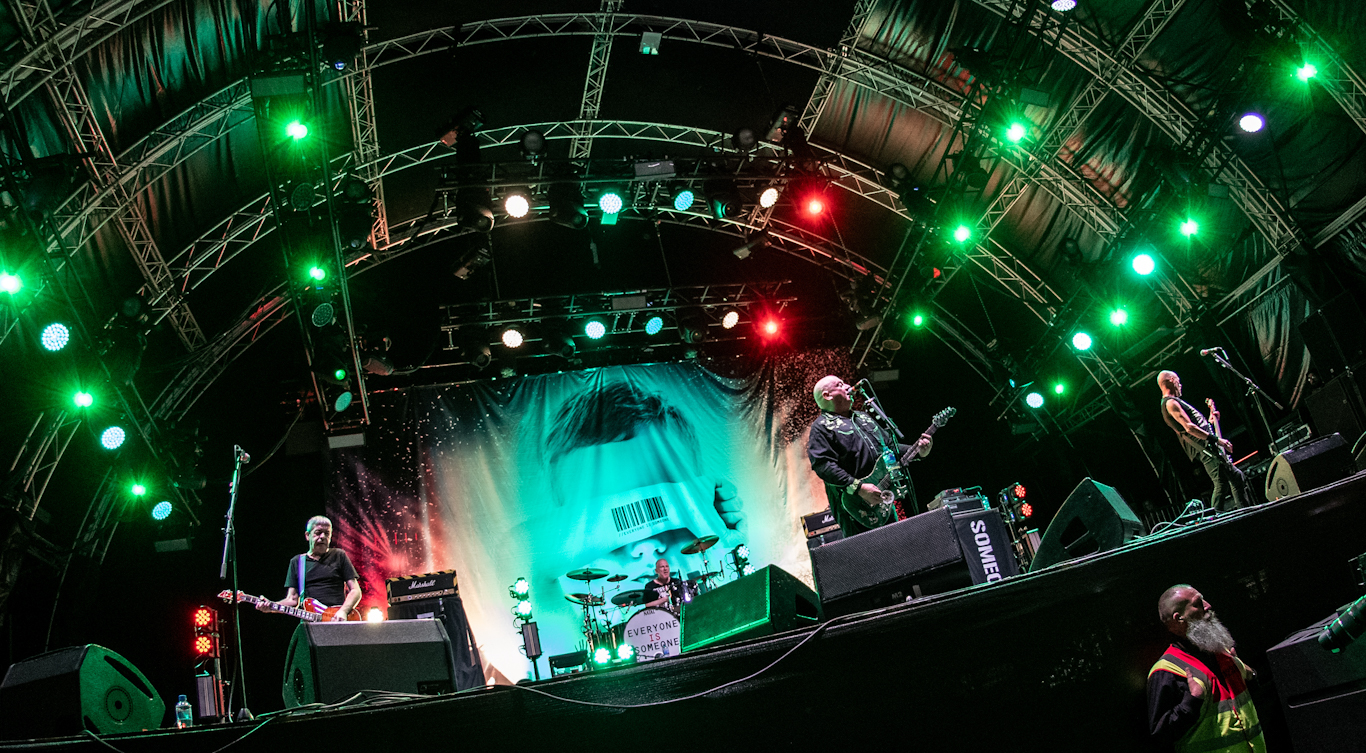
point(664, 591)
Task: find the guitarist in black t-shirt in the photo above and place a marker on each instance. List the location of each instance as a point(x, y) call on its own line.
point(329, 576)
point(1200, 440)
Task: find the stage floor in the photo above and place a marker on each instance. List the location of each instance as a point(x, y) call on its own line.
point(1051, 660)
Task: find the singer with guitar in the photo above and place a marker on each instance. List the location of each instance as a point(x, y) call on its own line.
point(845, 447)
point(1201, 439)
point(328, 575)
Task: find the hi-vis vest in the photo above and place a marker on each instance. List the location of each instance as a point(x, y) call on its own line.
point(1228, 720)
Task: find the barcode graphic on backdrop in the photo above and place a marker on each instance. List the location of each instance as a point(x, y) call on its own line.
point(638, 513)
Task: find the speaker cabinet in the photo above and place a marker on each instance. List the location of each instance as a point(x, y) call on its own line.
point(765, 602)
point(1336, 408)
point(1321, 691)
point(330, 661)
point(1309, 466)
point(914, 557)
point(1093, 518)
point(82, 687)
point(450, 611)
point(1334, 336)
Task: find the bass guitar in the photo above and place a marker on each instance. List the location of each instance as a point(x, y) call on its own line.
point(310, 611)
point(894, 483)
point(1218, 435)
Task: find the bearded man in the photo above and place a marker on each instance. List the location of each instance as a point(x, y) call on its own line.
point(1197, 692)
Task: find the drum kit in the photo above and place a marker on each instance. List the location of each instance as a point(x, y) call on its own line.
point(652, 632)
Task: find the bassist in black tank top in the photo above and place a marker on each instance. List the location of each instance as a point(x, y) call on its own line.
point(1197, 435)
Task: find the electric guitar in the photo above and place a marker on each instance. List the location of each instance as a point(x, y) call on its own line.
point(1218, 435)
point(895, 484)
point(311, 611)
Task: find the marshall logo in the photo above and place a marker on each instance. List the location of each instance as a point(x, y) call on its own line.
point(984, 550)
point(421, 584)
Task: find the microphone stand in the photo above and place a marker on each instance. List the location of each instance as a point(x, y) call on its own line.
point(871, 405)
point(1253, 391)
point(240, 458)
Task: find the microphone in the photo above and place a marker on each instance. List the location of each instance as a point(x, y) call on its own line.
point(1207, 351)
point(241, 454)
point(863, 387)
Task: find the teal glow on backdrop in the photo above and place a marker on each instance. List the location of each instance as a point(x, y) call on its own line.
point(609, 468)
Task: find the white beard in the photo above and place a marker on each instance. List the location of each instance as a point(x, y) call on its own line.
point(1210, 635)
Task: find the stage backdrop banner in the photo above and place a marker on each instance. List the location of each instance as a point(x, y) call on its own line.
point(608, 468)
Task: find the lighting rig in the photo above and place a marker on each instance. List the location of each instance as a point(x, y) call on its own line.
point(608, 328)
point(1018, 512)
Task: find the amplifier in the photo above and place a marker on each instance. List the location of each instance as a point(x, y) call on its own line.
point(818, 523)
point(960, 500)
point(424, 586)
point(1291, 437)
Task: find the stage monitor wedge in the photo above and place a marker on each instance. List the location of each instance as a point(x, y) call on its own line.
point(1315, 463)
point(765, 602)
point(331, 661)
point(82, 687)
point(1093, 518)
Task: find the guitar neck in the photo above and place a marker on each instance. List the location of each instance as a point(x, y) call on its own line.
point(302, 614)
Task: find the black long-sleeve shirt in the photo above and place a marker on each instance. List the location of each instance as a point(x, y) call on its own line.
point(1172, 710)
point(843, 449)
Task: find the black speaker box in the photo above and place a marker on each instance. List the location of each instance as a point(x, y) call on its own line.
point(450, 610)
point(762, 603)
point(1313, 464)
point(1336, 408)
point(1334, 336)
point(1093, 518)
point(914, 557)
point(82, 687)
point(1321, 691)
point(330, 661)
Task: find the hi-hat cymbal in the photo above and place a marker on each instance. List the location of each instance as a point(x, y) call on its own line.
point(585, 600)
point(707, 576)
point(629, 598)
point(588, 573)
point(701, 545)
point(616, 578)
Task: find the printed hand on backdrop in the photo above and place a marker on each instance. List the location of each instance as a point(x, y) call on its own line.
point(729, 506)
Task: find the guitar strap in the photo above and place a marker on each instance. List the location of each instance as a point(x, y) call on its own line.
point(301, 579)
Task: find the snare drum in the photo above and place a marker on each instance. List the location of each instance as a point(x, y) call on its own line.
point(654, 633)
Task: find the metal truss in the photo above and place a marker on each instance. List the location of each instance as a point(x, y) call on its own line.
point(39, 456)
point(1342, 83)
point(360, 99)
point(598, 58)
point(57, 51)
point(73, 109)
point(848, 41)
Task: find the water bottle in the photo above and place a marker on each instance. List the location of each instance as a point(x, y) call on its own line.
point(184, 715)
point(889, 460)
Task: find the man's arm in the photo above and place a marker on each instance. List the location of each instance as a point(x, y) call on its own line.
point(825, 460)
point(1179, 413)
point(348, 604)
point(291, 600)
point(1173, 705)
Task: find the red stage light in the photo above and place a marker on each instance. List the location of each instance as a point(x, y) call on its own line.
point(815, 206)
point(1018, 491)
point(202, 617)
point(771, 327)
point(203, 644)
point(1027, 510)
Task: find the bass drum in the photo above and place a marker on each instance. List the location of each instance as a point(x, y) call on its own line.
point(654, 633)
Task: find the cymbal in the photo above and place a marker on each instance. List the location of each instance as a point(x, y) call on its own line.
point(616, 578)
point(588, 573)
point(629, 598)
point(701, 545)
point(586, 600)
point(707, 576)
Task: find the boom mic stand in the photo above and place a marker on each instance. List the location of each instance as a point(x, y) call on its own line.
point(240, 458)
point(870, 404)
point(1253, 391)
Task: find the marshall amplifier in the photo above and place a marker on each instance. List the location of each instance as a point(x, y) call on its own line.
point(986, 547)
point(424, 586)
point(818, 523)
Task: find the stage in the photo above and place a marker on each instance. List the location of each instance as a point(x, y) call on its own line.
point(1052, 660)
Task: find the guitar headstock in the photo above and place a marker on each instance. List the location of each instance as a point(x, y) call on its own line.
point(943, 416)
point(225, 595)
point(1209, 401)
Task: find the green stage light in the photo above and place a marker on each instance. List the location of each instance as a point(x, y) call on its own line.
point(113, 438)
point(653, 325)
point(520, 588)
point(626, 652)
point(339, 374)
point(1144, 265)
point(683, 199)
point(55, 336)
point(296, 130)
point(317, 273)
point(83, 399)
point(1119, 317)
point(161, 511)
point(523, 609)
point(138, 490)
point(1015, 132)
point(1189, 227)
point(10, 283)
point(1059, 388)
point(1034, 400)
point(343, 401)
point(1081, 341)
point(962, 233)
point(601, 655)
point(1306, 72)
point(918, 320)
point(594, 329)
point(610, 202)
